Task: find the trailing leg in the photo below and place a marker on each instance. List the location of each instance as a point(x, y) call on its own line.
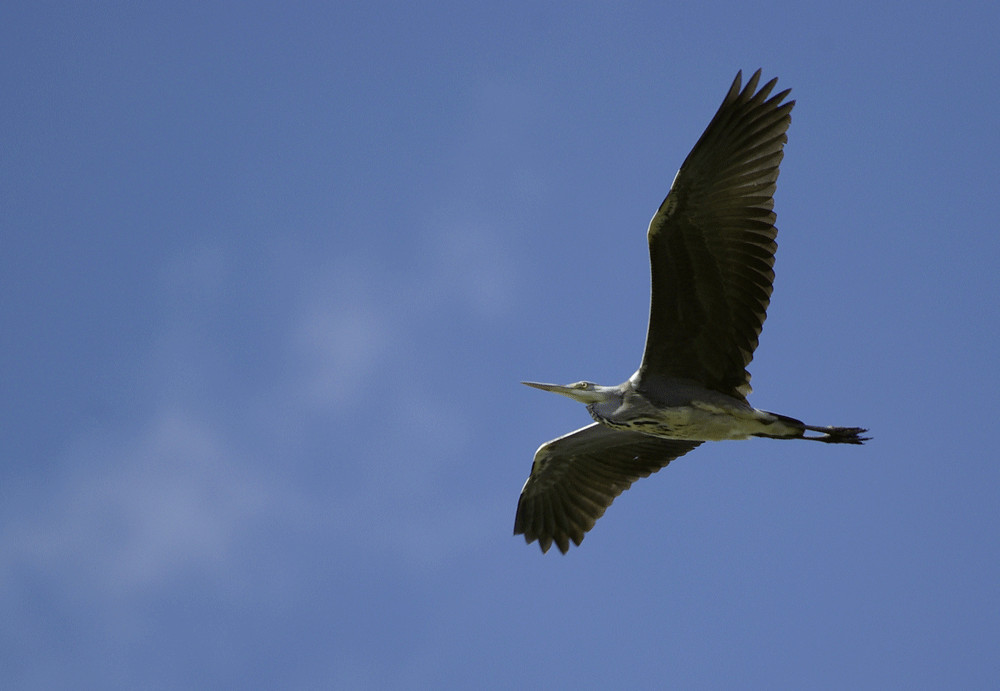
point(790, 428)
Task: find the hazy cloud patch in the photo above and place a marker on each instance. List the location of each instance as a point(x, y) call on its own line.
point(130, 515)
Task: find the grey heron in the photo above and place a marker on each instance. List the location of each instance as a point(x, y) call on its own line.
point(711, 250)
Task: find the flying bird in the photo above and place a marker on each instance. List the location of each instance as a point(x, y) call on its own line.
point(711, 251)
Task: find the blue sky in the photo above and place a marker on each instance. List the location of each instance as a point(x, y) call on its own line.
point(271, 274)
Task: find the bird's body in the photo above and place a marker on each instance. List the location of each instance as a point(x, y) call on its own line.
point(711, 245)
point(679, 411)
point(688, 415)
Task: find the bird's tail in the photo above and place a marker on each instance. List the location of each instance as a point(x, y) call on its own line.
point(827, 435)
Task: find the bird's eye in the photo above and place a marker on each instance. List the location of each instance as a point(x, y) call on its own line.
point(583, 385)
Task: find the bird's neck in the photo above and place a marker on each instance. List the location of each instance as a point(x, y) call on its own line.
point(606, 411)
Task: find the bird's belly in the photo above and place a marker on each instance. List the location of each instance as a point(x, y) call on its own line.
point(697, 422)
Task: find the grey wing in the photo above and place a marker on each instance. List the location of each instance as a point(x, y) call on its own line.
point(712, 244)
point(576, 477)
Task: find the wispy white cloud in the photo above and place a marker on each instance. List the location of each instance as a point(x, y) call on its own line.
point(338, 346)
point(136, 505)
point(172, 492)
point(133, 513)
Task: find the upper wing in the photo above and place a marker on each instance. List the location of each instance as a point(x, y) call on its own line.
point(576, 477)
point(711, 246)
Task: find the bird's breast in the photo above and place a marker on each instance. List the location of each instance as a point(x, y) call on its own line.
point(696, 421)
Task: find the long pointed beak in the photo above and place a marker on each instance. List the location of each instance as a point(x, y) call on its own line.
point(555, 388)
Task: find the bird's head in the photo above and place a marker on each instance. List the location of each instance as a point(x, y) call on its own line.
point(582, 391)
